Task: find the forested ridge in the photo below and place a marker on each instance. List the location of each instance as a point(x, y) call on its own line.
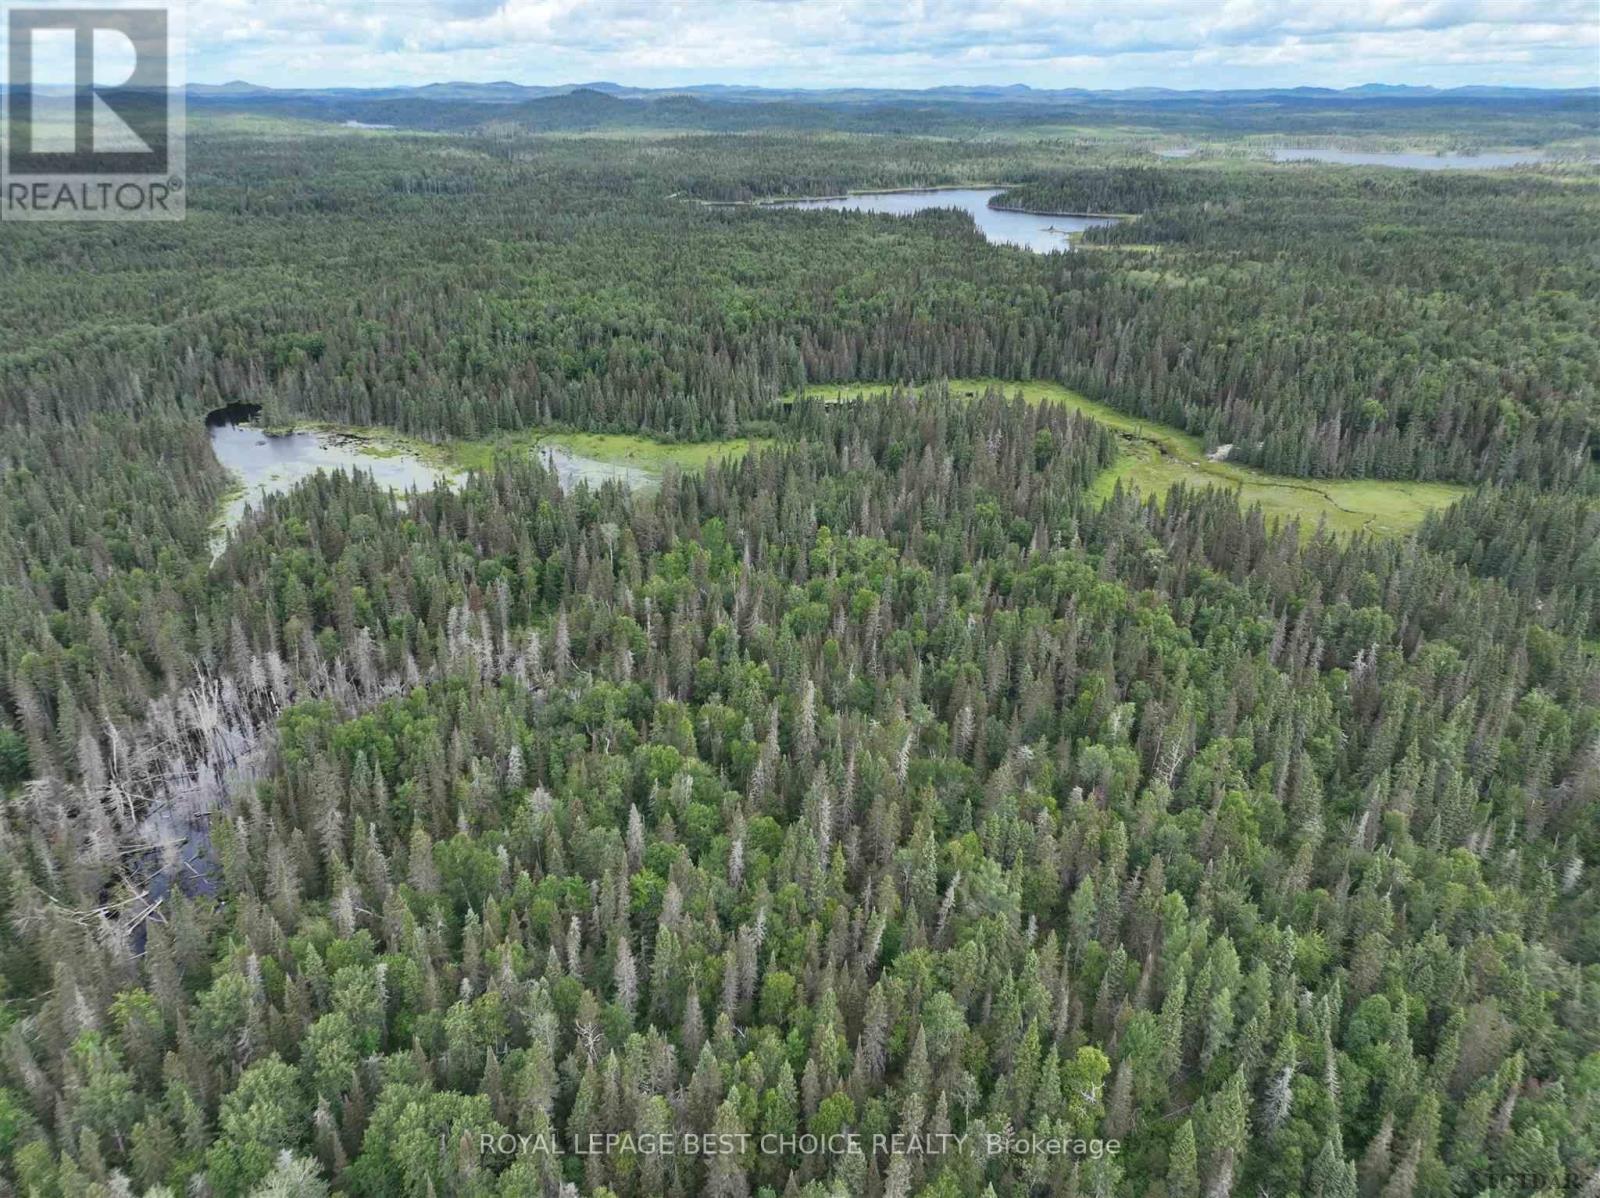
point(1563, 119)
point(879, 783)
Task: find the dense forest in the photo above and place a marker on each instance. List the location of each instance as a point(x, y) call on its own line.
point(868, 811)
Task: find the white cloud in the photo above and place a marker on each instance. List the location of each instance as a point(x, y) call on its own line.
point(904, 43)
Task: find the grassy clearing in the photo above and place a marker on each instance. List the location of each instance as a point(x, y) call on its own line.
point(1156, 456)
point(647, 454)
point(376, 441)
point(612, 449)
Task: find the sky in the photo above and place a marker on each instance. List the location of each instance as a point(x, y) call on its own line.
point(897, 43)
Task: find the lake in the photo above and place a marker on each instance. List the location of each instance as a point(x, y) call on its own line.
point(1040, 233)
point(1417, 160)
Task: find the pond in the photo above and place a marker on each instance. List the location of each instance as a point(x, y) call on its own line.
point(572, 469)
point(264, 464)
point(1040, 232)
point(1418, 160)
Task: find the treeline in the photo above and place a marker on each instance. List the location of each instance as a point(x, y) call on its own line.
point(877, 783)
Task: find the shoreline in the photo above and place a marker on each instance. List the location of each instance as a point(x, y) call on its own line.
point(998, 188)
point(1108, 216)
point(780, 201)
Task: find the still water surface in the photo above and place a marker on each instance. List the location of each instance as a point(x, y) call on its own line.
point(1417, 160)
point(269, 465)
point(1032, 231)
point(265, 465)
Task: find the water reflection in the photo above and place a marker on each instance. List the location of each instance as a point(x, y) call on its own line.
point(265, 463)
point(1417, 160)
point(269, 464)
point(1040, 232)
point(572, 469)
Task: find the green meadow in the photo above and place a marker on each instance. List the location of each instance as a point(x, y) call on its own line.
point(613, 449)
point(1155, 457)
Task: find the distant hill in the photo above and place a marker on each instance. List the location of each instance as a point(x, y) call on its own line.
point(505, 92)
point(1507, 116)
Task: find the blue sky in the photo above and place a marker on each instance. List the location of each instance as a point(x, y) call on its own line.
point(898, 43)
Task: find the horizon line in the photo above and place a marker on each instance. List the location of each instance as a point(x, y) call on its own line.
point(579, 85)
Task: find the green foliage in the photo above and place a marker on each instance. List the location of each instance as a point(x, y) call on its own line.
point(887, 780)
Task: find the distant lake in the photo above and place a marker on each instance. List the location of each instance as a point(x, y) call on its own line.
point(1032, 231)
point(1417, 160)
